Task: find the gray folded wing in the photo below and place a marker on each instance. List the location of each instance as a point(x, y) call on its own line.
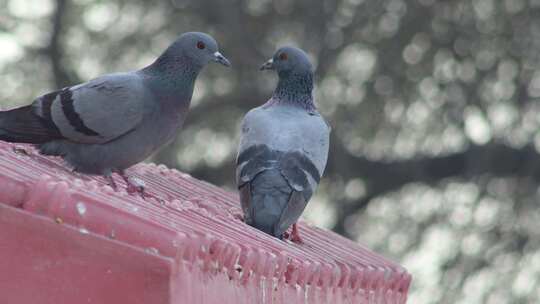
point(300, 139)
point(97, 111)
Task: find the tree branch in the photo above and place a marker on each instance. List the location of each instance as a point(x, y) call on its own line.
point(493, 159)
point(55, 50)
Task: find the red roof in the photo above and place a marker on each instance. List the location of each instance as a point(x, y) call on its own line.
point(73, 237)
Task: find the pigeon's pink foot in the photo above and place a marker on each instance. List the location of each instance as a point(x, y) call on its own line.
point(238, 216)
point(295, 235)
point(135, 185)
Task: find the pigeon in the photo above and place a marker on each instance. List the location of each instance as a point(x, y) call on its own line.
point(283, 149)
point(110, 123)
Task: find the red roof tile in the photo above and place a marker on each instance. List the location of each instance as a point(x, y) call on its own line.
point(213, 255)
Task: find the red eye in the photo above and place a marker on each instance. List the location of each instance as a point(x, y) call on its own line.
point(200, 45)
point(283, 56)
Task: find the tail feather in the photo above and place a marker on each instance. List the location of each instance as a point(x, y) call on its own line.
point(270, 196)
point(22, 125)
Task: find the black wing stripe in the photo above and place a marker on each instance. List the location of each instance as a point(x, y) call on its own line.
point(261, 154)
point(46, 115)
point(251, 153)
point(66, 98)
point(307, 165)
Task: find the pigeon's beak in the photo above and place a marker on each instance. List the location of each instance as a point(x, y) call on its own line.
point(221, 59)
point(269, 65)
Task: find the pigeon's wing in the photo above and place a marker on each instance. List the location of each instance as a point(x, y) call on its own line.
point(245, 202)
point(292, 212)
point(98, 111)
point(299, 139)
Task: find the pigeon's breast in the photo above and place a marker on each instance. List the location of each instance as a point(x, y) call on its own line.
point(164, 126)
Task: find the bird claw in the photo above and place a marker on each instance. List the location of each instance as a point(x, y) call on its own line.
point(20, 150)
point(294, 236)
point(132, 189)
point(296, 239)
point(135, 185)
point(111, 182)
point(239, 217)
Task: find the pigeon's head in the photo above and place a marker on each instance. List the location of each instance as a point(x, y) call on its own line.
point(200, 48)
point(289, 60)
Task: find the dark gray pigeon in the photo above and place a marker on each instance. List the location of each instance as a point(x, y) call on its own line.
point(115, 121)
point(283, 148)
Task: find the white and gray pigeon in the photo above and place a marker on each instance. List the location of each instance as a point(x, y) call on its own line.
point(117, 120)
point(283, 148)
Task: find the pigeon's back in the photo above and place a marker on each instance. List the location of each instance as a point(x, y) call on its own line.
point(287, 128)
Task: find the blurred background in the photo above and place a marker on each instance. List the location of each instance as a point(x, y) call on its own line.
point(434, 105)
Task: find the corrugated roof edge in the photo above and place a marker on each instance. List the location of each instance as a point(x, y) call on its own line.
point(195, 222)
